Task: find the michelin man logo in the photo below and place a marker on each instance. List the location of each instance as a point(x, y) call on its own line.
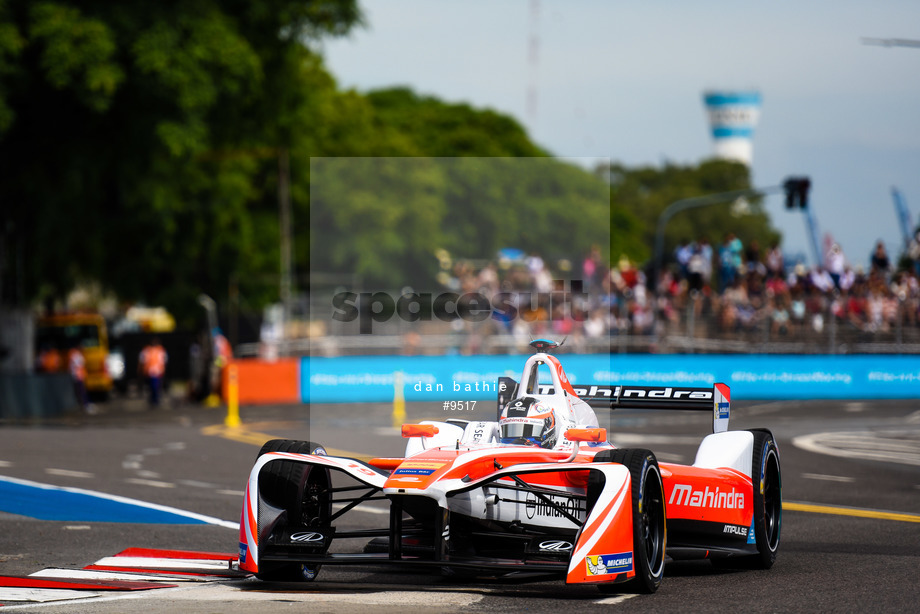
point(604, 564)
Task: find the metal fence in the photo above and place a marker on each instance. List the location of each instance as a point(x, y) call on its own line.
point(694, 324)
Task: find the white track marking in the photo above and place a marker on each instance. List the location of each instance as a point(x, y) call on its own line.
point(614, 600)
point(4, 463)
point(197, 484)
point(900, 446)
point(95, 574)
point(42, 595)
point(153, 483)
point(77, 527)
point(68, 473)
point(827, 478)
point(149, 562)
point(232, 493)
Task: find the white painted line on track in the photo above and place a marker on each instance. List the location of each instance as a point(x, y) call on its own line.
point(69, 473)
point(827, 478)
point(149, 562)
point(154, 483)
point(614, 600)
point(232, 493)
point(4, 463)
point(900, 446)
point(77, 527)
point(43, 595)
point(196, 484)
point(93, 574)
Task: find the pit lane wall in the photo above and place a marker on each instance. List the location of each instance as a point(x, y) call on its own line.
point(438, 378)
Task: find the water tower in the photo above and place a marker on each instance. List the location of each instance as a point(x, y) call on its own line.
point(732, 117)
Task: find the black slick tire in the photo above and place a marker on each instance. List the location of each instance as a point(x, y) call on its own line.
point(303, 491)
point(768, 498)
point(649, 517)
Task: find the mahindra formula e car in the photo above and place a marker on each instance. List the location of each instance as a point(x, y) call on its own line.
point(538, 491)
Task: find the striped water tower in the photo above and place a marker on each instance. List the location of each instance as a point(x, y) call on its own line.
point(732, 117)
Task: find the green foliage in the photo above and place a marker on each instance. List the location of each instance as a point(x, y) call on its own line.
point(139, 140)
point(140, 146)
point(385, 218)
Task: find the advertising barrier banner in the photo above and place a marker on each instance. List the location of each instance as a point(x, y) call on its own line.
point(436, 378)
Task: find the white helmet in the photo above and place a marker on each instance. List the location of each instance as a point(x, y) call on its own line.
point(529, 421)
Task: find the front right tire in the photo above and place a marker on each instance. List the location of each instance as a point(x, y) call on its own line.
point(649, 519)
point(768, 498)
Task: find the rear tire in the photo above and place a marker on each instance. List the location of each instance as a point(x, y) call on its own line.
point(768, 498)
point(649, 518)
point(303, 491)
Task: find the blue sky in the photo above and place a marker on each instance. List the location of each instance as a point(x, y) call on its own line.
point(624, 80)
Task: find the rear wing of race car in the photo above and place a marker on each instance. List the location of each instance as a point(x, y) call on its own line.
point(716, 399)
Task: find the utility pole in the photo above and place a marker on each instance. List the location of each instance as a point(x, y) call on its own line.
point(284, 216)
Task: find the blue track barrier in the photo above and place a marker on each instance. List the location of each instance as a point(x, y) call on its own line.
point(437, 378)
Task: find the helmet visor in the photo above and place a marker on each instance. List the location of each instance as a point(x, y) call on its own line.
point(531, 431)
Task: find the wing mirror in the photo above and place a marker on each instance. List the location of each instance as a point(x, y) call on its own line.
point(419, 430)
point(592, 435)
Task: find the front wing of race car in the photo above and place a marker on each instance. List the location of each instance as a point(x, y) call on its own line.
point(295, 523)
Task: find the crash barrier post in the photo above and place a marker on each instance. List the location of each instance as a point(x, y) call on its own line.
point(399, 399)
point(265, 381)
point(35, 395)
point(233, 397)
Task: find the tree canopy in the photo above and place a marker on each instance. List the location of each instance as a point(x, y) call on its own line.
point(139, 140)
point(141, 144)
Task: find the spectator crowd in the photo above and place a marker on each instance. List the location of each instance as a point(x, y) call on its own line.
point(731, 291)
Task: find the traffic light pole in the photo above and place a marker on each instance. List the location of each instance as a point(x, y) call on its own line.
point(795, 188)
point(694, 203)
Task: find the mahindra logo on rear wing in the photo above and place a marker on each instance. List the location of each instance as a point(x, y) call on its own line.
point(658, 393)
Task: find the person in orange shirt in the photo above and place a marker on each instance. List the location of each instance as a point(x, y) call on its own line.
point(49, 360)
point(152, 366)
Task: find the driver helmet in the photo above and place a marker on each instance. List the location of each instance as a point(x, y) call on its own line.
point(528, 421)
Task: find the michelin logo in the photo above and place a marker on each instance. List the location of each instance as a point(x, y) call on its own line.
point(604, 564)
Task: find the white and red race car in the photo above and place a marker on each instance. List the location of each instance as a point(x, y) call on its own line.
point(539, 491)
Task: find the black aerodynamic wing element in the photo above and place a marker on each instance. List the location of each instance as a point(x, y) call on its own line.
point(715, 399)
